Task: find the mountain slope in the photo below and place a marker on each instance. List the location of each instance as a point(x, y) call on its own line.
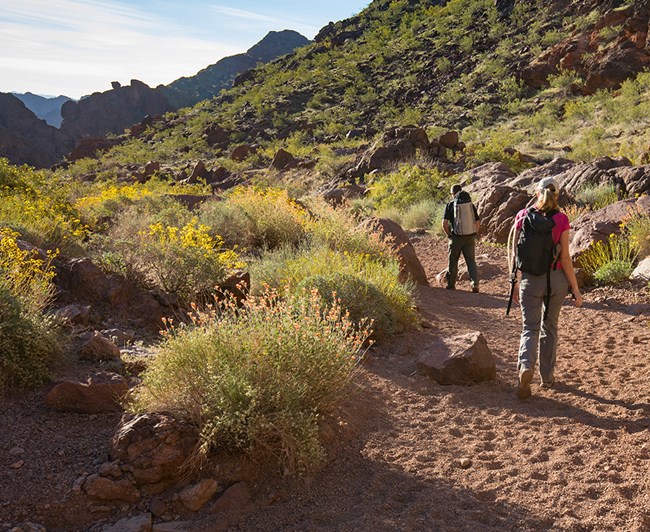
point(460, 64)
point(211, 80)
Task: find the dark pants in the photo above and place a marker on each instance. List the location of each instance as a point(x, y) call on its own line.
point(464, 245)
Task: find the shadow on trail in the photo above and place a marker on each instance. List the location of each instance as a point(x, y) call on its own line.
point(360, 493)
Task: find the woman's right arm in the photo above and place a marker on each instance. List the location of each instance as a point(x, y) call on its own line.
point(567, 268)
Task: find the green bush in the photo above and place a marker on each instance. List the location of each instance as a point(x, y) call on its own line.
point(291, 267)
point(229, 221)
point(637, 227)
point(597, 196)
point(257, 379)
point(407, 185)
point(424, 214)
point(341, 231)
point(29, 341)
point(275, 217)
point(610, 261)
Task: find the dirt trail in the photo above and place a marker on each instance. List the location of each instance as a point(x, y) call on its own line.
point(572, 458)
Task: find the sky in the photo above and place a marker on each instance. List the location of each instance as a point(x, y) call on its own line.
point(77, 47)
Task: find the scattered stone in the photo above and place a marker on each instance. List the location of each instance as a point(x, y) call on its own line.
point(78, 484)
point(283, 160)
point(235, 499)
point(16, 451)
point(103, 392)
point(105, 489)
point(18, 464)
point(119, 337)
point(157, 507)
point(465, 463)
point(194, 497)
point(239, 153)
point(449, 139)
point(642, 271)
point(139, 523)
point(462, 359)
point(98, 349)
point(30, 527)
point(110, 469)
point(74, 314)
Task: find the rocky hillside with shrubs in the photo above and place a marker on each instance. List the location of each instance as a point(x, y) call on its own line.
point(219, 275)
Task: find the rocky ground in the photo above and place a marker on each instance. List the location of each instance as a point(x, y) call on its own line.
point(409, 453)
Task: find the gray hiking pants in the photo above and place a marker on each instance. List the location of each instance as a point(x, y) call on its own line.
point(539, 336)
point(465, 245)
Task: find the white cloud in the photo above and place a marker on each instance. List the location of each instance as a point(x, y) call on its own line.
point(76, 47)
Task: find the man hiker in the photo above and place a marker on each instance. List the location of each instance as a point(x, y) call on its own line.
point(461, 224)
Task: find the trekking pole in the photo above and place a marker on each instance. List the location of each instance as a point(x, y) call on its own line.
point(512, 266)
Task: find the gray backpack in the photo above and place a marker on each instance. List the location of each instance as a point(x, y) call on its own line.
point(464, 218)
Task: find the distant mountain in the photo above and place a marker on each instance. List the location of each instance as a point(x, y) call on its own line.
point(47, 108)
point(210, 81)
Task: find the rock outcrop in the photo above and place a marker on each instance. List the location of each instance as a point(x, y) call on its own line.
point(462, 359)
point(26, 139)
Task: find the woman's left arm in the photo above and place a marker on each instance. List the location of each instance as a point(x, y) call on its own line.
point(567, 268)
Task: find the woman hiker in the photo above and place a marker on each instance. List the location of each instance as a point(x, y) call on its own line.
point(540, 335)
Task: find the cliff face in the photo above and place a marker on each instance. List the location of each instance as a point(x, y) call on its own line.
point(112, 111)
point(26, 139)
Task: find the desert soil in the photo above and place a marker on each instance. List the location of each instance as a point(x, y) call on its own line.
point(412, 454)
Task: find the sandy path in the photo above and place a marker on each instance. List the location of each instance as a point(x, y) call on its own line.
point(572, 458)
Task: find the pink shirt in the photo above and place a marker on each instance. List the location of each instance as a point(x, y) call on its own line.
point(561, 224)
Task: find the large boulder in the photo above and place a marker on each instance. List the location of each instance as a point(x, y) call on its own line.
point(155, 446)
point(462, 359)
point(636, 179)
point(283, 160)
point(497, 209)
point(98, 348)
point(599, 225)
point(410, 266)
point(102, 392)
point(480, 179)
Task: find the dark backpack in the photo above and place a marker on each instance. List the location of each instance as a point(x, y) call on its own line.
point(536, 251)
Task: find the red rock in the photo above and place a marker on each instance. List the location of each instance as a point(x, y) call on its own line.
point(98, 349)
point(196, 496)
point(105, 489)
point(102, 392)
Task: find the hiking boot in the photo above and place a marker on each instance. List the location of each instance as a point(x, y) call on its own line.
point(450, 287)
point(525, 378)
point(547, 384)
point(475, 289)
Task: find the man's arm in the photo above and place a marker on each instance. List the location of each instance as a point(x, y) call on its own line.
point(445, 227)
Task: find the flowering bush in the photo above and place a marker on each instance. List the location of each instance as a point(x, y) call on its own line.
point(37, 208)
point(611, 261)
point(257, 378)
point(28, 340)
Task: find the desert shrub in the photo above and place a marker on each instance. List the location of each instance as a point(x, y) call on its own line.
point(35, 206)
point(422, 215)
point(290, 267)
point(405, 186)
point(609, 262)
point(493, 149)
point(597, 196)
point(341, 231)
point(359, 298)
point(183, 259)
point(29, 342)
point(637, 227)
point(230, 222)
point(276, 218)
point(259, 378)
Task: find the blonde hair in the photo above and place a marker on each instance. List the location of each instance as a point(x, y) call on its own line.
point(547, 200)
